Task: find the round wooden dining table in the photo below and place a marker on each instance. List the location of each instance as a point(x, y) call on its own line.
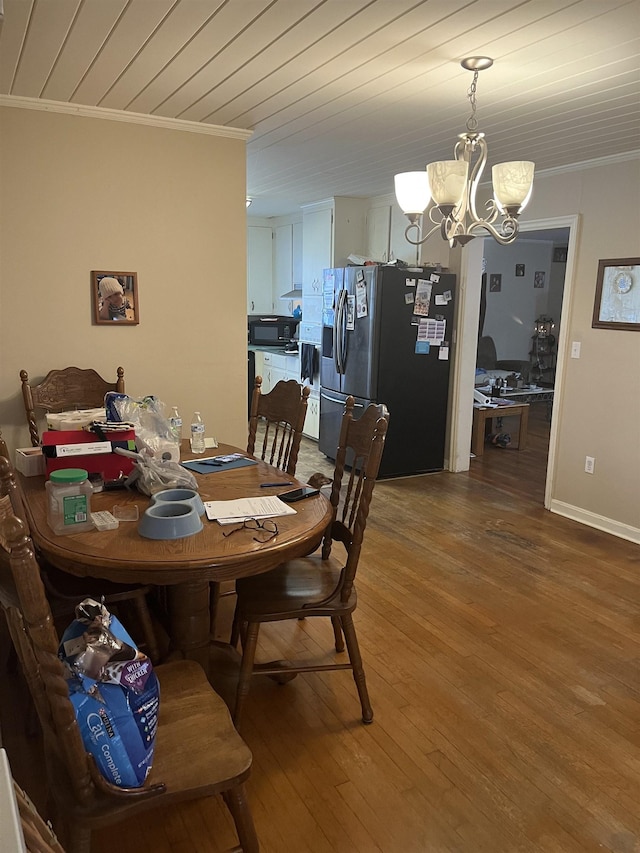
point(187, 565)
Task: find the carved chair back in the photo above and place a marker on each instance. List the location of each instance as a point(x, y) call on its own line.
point(360, 448)
point(279, 416)
point(62, 390)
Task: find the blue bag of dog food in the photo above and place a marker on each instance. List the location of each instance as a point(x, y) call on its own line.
point(114, 692)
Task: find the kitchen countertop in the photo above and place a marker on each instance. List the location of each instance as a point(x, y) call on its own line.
point(275, 350)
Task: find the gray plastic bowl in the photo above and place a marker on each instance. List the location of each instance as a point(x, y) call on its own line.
point(166, 520)
point(186, 496)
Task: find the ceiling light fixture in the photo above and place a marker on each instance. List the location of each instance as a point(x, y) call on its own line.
point(453, 185)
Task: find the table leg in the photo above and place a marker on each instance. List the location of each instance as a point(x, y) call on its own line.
point(524, 421)
point(189, 618)
point(477, 437)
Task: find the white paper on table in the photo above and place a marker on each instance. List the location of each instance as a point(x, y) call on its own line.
point(232, 512)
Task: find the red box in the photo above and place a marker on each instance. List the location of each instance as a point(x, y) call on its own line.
point(111, 465)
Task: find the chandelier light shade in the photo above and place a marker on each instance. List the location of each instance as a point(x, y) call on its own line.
point(512, 185)
point(248, 201)
point(453, 184)
point(412, 192)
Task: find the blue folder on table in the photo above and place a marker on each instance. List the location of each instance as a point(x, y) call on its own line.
point(203, 466)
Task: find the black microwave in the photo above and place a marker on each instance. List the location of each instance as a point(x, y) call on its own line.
point(271, 330)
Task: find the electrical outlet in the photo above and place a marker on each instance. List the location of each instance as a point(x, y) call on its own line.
point(589, 464)
point(575, 349)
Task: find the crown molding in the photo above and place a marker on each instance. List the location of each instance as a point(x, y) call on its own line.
point(122, 115)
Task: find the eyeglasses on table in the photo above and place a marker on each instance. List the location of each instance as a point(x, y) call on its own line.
point(266, 529)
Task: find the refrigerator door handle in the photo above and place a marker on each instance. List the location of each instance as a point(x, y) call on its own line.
point(339, 332)
point(341, 401)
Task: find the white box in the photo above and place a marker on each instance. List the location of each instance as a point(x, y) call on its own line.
point(30, 461)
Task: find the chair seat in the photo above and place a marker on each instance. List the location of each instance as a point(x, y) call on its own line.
point(198, 751)
point(283, 592)
point(197, 746)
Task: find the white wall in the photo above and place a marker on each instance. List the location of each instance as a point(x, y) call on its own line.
point(82, 194)
point(512, 311)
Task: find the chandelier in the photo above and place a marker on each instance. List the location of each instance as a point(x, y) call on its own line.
point(453, 185)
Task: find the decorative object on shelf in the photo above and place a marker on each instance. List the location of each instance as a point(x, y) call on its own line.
point(115, 298)
point(495, 283)
point(538, 278)
point(519, 270)
point(617, 302)
point(543, 351)
point(453, 185)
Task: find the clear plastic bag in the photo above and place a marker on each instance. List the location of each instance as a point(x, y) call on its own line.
point(152, 474)
point(154, 432)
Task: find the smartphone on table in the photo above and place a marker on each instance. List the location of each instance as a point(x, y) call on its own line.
point(298, 494)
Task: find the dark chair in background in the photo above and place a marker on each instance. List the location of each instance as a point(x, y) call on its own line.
point(488, 359)
point(198, 751)
point(62, 390)
point(323, 583)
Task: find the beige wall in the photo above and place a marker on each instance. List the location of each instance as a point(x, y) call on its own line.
point(599, 412)
point(81, 194)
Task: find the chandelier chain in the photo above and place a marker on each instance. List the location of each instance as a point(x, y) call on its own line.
point(472, 121)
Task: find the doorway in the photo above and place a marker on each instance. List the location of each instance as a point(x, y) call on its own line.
point(469, 324)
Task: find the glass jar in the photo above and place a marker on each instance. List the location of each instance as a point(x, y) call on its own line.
point(69, 501)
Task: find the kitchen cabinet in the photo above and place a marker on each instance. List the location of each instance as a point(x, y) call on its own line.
point(331, 231)
point(312, 420)
point(277, 367)
point(259, 270)
point(283, 259)
point(378, 233)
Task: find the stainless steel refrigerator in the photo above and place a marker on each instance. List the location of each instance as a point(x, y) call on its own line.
point(386, 338)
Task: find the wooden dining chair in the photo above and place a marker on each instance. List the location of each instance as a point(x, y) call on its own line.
point(198, 752)
point(65, 591)
point(275, 425)
point(278, 417)
point(62, 390)
point(321, 584)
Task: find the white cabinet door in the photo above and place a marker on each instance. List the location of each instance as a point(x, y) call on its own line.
point(297, 254)
point(259, 270)
point(317, 237)
point(378, 233)
point(312, 420)
point(283, 259)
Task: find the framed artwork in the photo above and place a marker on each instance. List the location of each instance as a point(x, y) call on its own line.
point(538, 278)
point(560, 254)
point(617, 302)
point(495, 283)
point(115, 298)
point(519, 270)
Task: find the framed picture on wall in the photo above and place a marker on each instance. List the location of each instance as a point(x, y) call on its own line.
point(617, 302)
point(495, 283)
point(560, 254)
point(115, 298)
point(538, 278)
point(519, 270)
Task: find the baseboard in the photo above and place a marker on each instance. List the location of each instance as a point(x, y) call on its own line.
point(608, 525)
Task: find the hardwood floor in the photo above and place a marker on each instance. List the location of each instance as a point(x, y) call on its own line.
point(502, 650)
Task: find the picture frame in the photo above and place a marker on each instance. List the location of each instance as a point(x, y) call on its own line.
point(519, 270)
point(539, 278)
point(495, 283)
point(115, 302)
point(560, 254)
point(617, 297)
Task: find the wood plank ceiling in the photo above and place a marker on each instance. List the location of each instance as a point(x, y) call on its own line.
point(341, 94)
